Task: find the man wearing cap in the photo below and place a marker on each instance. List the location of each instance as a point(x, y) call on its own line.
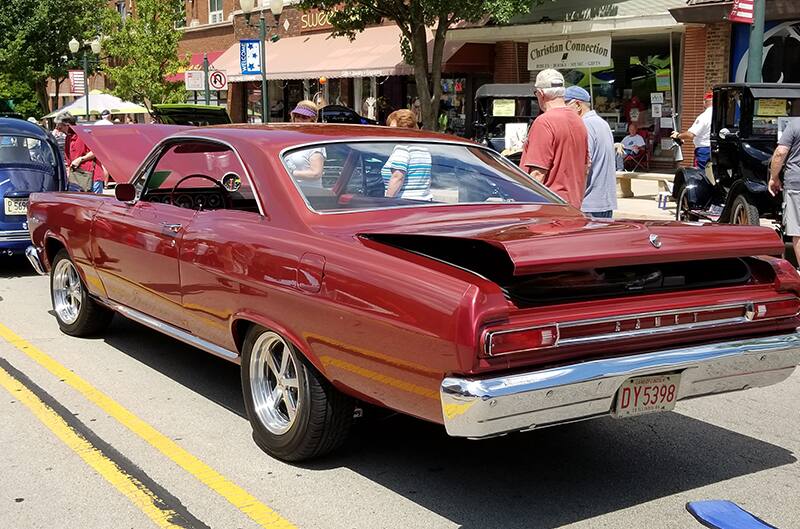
point(556, 151)
point(600, 199)
point(105, 118)
point(700, 134)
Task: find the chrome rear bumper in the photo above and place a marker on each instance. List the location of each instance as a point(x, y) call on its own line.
point(483, 407)
point(36, 261)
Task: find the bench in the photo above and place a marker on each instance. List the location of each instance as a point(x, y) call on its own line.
point(624, 179)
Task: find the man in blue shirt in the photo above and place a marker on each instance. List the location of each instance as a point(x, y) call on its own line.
point(600, 199)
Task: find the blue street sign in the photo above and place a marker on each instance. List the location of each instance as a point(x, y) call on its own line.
point(250, 56)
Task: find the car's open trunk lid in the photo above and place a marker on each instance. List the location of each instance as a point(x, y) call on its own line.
point(539, 245)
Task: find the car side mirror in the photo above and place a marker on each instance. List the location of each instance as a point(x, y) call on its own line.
point(125, 192)
point(727, 133)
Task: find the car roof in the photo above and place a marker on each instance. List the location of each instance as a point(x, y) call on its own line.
point(760, 90)
point(505, 90)
point(279, 136)
point(14, 126)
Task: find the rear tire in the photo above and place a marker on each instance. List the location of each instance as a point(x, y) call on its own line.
point(295, 413)
point(743, 212)
point(76, 312)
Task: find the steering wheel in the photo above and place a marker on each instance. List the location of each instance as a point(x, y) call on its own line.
point(222, 189)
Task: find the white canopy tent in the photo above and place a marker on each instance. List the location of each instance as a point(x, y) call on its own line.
point(99, 101)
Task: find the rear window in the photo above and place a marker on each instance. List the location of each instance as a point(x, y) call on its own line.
point(15, 150)
point(373, 175)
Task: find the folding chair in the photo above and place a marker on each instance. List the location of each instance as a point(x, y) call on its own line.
point(640, 161)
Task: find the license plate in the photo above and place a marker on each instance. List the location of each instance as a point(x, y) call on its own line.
point(647, 394)
point(16, 206)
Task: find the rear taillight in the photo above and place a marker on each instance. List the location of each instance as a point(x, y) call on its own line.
point(784, 308)
point(786, 275)
point(522, 340)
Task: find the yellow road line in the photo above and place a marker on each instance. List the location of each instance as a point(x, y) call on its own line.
point(131, 488)
point(237, 496)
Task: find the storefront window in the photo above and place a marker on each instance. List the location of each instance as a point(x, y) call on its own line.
point(635, 88)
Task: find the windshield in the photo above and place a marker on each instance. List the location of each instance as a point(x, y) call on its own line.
point(362, 175)
point(770, 116)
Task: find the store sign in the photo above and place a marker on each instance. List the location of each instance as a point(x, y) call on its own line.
point(194, 80)
point(742, 11)
point(314, 21)
point(568, 52)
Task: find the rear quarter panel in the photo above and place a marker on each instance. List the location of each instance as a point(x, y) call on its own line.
point(66, 219)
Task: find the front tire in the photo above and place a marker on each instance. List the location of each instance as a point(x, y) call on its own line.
point(76, 312)
point(682, 209)
point(743, 212)
point(295, 413)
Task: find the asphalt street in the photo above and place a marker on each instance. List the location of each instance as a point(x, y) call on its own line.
point(134, 429)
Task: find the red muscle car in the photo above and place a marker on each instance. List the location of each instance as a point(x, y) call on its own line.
point(342, 264)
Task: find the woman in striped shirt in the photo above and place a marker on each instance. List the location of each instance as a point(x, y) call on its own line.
point(407, 172)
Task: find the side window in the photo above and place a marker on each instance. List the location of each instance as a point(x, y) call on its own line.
point(191, 171)
point(732, 108)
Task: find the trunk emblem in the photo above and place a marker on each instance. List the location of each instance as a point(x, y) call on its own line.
point(655, 240)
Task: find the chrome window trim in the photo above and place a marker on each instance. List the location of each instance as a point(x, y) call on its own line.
point(747, 307)
point(546, 193)
point(146, 166)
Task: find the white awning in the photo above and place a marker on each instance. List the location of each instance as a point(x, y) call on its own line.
point(632, 25)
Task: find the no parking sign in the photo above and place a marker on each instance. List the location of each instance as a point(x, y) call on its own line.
point(217, 80)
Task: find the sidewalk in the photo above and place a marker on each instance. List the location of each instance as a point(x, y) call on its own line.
point(644, 205)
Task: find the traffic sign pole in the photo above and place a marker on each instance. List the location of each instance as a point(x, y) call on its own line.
point(205, 70)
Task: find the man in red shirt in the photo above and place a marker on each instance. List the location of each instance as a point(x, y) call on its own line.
point(556, 152)
point(84, 169)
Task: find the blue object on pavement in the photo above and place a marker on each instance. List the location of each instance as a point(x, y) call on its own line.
point(724, 514)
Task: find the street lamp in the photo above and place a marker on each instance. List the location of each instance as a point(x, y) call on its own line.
point(276, 7)
point(96, 47)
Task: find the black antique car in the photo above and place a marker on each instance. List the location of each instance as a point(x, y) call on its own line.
point(498, 108)
point(747, 120)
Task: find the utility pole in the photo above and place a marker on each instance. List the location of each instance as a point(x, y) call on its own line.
point(262, 39)
point(755, 55)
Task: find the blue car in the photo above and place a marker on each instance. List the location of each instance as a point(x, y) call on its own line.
point(30, 162)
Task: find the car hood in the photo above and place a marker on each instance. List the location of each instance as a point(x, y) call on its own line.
point(122, 148)
point(548, 243)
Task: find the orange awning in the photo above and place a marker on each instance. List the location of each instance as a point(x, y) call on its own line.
point(374, 52)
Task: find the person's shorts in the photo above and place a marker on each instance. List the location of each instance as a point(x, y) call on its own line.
point(791, 213)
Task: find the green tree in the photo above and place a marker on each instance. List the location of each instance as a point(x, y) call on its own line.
point(413, 17)
point(144, 48)
point(20, 95)
point(34, 36)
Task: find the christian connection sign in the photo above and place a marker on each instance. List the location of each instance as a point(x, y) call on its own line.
point(567, 52)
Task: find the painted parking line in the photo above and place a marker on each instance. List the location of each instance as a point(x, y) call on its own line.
point(234, 494)
point(117, 470)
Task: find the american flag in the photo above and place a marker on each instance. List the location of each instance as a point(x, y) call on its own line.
point(78, 81)
point(742, 11)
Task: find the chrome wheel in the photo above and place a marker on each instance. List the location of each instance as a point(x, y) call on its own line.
point(274, 382)
point(67, 292)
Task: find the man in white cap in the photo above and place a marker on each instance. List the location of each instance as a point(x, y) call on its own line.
point(600, 200)
point(556, 151)
point(105, 118)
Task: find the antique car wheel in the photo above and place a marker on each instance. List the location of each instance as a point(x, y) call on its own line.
point(744, 212)
point(76, 312)
point(682, 210)
point(295, 413)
